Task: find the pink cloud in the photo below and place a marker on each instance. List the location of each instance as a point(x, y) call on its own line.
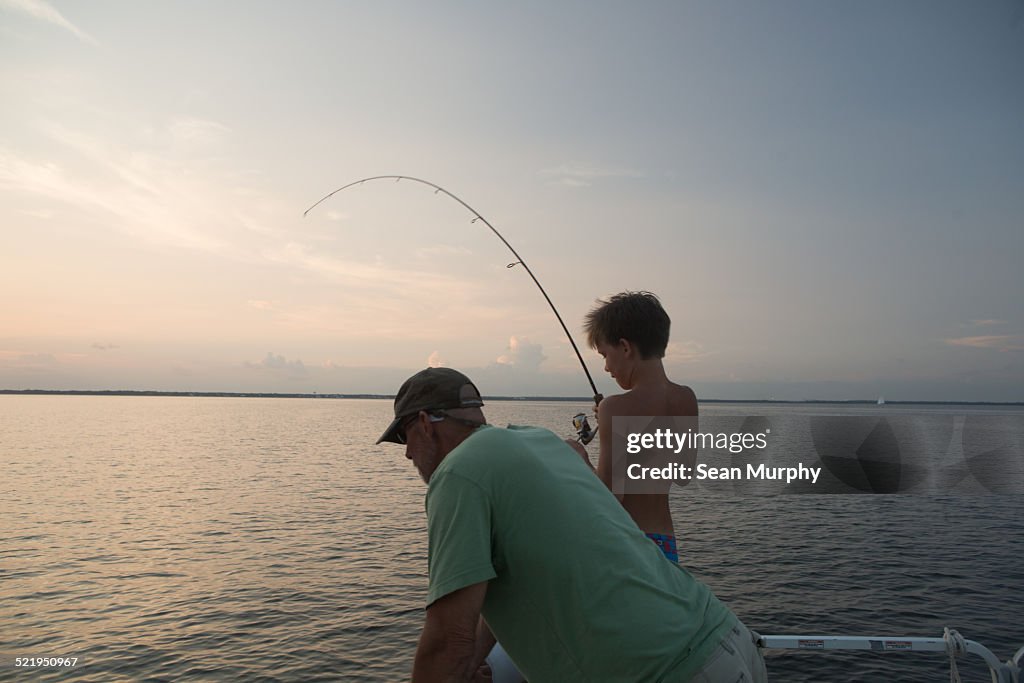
point(1000, 342)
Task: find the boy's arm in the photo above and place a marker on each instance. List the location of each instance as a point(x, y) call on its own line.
point(605, 412)
point(689, 456)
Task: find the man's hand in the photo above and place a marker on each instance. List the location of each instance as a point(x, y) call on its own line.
point(485, 641)
point(448, 643)
point(578, 447)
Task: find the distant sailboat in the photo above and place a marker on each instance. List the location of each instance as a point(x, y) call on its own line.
point(881, 400)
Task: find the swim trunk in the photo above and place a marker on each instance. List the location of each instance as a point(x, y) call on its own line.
point(666, 544)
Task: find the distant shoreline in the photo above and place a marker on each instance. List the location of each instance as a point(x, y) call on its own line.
point(574, 399)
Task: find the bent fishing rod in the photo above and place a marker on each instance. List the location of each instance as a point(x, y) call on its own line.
point(580, 421)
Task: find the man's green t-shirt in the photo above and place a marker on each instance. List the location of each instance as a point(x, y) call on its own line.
point(576, 591)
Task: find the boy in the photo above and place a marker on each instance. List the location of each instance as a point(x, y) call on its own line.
point(630, 331)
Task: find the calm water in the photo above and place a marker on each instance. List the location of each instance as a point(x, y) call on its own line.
point(269, 539)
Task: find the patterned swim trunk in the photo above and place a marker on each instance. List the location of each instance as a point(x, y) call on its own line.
point(667, 545)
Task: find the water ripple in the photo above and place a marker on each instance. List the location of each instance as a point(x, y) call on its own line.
point(269, 540)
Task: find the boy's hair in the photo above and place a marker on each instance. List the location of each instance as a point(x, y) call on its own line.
point(634, 316)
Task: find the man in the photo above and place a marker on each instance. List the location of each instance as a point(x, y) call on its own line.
point(522, 534)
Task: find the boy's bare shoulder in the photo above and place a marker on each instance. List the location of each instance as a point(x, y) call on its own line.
point(677, 400)
point(682, 400)
point(618, 404)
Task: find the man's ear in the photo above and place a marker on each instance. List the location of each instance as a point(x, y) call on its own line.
point(424, 419)
point(627, 347)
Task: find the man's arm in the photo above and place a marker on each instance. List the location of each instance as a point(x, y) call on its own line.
point(578, 447)
point(485, 642)
point(447, 647)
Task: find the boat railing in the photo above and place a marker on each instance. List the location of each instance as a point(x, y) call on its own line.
point(952, 643)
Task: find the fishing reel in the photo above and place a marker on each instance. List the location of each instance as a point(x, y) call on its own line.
point(584, 432)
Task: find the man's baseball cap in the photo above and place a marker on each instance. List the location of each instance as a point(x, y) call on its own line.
point(431, 389)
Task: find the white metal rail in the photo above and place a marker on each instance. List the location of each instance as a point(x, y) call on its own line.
point(952, 644)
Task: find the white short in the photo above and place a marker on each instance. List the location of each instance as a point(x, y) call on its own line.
point(737, 659)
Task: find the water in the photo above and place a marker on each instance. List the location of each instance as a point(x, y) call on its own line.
point(269, 539)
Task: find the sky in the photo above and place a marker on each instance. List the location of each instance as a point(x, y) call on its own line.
point(827, 197)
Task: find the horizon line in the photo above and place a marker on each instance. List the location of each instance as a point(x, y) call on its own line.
point(337, 395)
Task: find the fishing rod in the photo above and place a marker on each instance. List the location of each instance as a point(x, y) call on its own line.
point(579, 421)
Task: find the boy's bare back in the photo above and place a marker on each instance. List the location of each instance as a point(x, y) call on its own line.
point(650, 511)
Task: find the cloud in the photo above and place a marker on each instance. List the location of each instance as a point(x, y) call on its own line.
point(128, 166)
point(435, 360)
point(380, 278)
point(160, 187)
point(1000, 342)
point(198, 131)
point(145, 195)
point(987, 323)
point(43, 11)
point(41, 214)
point(522, 353)
point(685, 352)
point(105, 347)
point(577, 174)
point(295, 369)
point(570, 182)
point(442, 250)
point(162, 194)
point(22, 360)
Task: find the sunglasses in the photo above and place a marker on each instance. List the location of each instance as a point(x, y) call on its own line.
point(438, 416)
point(400, 432)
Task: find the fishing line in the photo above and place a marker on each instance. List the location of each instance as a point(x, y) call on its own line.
point(518, 262)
